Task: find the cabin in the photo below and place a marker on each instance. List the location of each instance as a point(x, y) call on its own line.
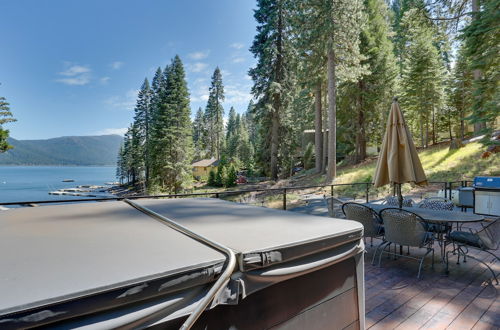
point(203, 167)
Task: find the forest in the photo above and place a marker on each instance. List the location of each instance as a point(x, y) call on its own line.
point(333, 67)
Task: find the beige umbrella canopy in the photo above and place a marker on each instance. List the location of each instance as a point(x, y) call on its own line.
point(398, 161)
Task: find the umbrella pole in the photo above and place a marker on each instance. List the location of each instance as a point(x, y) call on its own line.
point(400, 195)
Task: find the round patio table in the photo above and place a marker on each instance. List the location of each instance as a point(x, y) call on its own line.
point(435, 216)
point(442, 217)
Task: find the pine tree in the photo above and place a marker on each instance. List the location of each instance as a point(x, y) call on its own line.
point(273, 77)
point(142, 122)
point(423, 75)
point(171, 135)
point(245, 146)
point(231, 123)
point(120, 166)
point(211, 178)
point(367, 100)
point(335, 27)
point(460, 97)
point(220, 175)
point(482, 40)
point(5, 117)
point(214, 114)
point(198, 135)
point(230, 180)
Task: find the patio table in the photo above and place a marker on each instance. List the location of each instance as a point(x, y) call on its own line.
point(441, 217)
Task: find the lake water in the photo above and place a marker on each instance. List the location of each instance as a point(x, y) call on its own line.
point(33, 183)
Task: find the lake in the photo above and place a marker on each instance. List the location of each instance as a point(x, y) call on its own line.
point(33, 183)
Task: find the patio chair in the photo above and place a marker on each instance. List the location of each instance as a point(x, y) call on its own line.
point(334, 207)
point(487, 239)
point(406, 228)
point(393, 201)
point(368, 218)
point(438, 204)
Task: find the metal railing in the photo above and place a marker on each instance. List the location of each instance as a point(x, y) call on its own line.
point(447, 188)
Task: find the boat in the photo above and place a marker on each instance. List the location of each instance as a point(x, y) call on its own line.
point(68, 180)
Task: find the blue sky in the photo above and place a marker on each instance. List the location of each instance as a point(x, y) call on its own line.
point(74, 67)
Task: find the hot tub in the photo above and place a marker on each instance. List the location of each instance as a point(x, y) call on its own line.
point(113, 264)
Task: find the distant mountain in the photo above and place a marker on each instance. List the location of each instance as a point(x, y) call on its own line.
point(66, 150)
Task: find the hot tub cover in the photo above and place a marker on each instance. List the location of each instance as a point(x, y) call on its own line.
point(92, 256)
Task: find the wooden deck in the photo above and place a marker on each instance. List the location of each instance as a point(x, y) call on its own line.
point(396, 299)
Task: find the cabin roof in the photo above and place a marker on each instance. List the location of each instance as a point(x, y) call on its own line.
point(206, 162)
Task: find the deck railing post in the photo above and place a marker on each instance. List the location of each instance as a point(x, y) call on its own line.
point(284, 199)
point(331, 190)
point(368, 192)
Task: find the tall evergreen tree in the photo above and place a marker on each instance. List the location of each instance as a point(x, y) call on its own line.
point(482, 46)
point(272, 76)
point(214, 114)
point(231, 123)
point(142, 122)
point(5, 117)
point(335, 26)
point(370, 97)
point(198, 134)
point(460, 97)
point(423, 75)
point(171, 135)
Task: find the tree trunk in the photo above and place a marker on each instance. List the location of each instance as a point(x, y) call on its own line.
point(433, 126)
point(426, 133)
point(275, 124)
point(325, 137)
point(477, 72)
point(360, 135)
point(332, 117)
point(318, 131)
point(274, 140)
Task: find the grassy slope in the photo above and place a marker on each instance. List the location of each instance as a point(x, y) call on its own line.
point(440, 164)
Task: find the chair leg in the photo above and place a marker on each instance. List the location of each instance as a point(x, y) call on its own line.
point(382, 252)
point(496, 257)
point(484, 263)
point(376, 250)
point(447, 270)
point(422, 261)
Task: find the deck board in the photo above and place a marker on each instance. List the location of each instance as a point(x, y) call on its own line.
point(396, 299)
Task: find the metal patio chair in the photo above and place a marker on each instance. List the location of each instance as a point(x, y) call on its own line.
point(334, 207)
point(393, 201)
point(406, 228)
point(438, 204)
point(370, 220)
point(487, 239)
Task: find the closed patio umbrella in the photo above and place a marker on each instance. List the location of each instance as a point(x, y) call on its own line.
point(398, 161)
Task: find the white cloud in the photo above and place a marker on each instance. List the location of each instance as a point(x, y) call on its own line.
point(74, 70)
point(75, 74)
point(197, 66)
point(238, 59)
point(116, 65)
point(237, 94)
point(126, 102)
point(108, 131)
point(225, 73)
point(237, 45)
point(199, 55)
point(104, 80)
